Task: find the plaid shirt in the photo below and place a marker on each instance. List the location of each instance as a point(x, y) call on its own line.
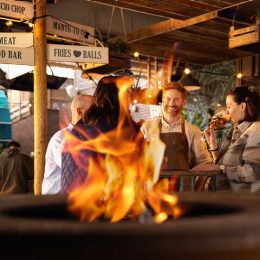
point(240, 153)
point(74, 168)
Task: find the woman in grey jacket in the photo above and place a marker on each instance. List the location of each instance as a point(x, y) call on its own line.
point(238, 160)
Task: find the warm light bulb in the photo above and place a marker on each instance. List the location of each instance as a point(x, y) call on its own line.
point(149, 96)
point(135, 101)
point(239, 75)
point(218, 105)
point(187, 71)
point(195, 99)
point(136, 54)
point(9, 23)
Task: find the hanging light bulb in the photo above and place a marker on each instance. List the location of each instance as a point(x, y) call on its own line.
point(136, 54)
point(239, 75)
point(9, 23)
point(187, 71)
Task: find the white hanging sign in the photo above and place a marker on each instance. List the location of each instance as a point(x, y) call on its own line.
point(19, 39)
point(22, 56)
point(16, 9)
point(70, 30)
point(72, 53)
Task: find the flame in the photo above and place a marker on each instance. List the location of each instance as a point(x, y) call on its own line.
point(124, 182)
point(151, 94)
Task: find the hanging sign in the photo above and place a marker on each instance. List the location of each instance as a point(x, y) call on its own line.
point(16, 9)
point(70, 30)
point(23, 56)
point(72, 53)
point(19, 39)
point(244, 36)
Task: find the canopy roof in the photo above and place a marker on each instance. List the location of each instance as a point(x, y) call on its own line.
point(195, 31)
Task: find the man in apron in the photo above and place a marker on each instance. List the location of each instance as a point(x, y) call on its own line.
point(185, 147)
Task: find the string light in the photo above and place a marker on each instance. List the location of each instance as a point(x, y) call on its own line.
point(9, 23)
point(136, 54)
point(187, 71)
point(30, 23)
point(239, 75)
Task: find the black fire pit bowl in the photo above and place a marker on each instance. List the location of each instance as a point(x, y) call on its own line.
point(216, 226)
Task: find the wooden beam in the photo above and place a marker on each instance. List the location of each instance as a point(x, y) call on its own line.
point(168, 26)
point(174, 24)
point(145, 9)
point(181, 9)
point(194, 48)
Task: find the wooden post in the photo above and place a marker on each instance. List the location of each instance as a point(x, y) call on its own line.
point(156, 73)
point(40, 94)
point(148, 72)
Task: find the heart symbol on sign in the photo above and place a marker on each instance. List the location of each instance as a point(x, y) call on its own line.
point(77, 53)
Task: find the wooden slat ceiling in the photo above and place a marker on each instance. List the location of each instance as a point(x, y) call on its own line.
point(198, 30)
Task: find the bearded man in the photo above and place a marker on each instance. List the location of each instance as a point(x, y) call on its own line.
point(185, 147)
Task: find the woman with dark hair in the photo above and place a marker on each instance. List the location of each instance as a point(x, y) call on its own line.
point(101, 117)
point(238, 160)
point(105, 105)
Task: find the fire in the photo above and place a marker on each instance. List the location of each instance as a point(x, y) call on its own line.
point(124, 182)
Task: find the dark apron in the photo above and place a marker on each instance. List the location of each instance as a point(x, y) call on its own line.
point(176, 151)
point(176, 154)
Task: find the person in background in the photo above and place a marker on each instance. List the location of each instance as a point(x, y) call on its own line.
point(238, 159)
point(16, 169)
point(52, 174)
point(184, 145)
point(101, 117)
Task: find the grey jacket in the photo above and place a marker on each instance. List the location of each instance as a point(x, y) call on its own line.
point(240, 153)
